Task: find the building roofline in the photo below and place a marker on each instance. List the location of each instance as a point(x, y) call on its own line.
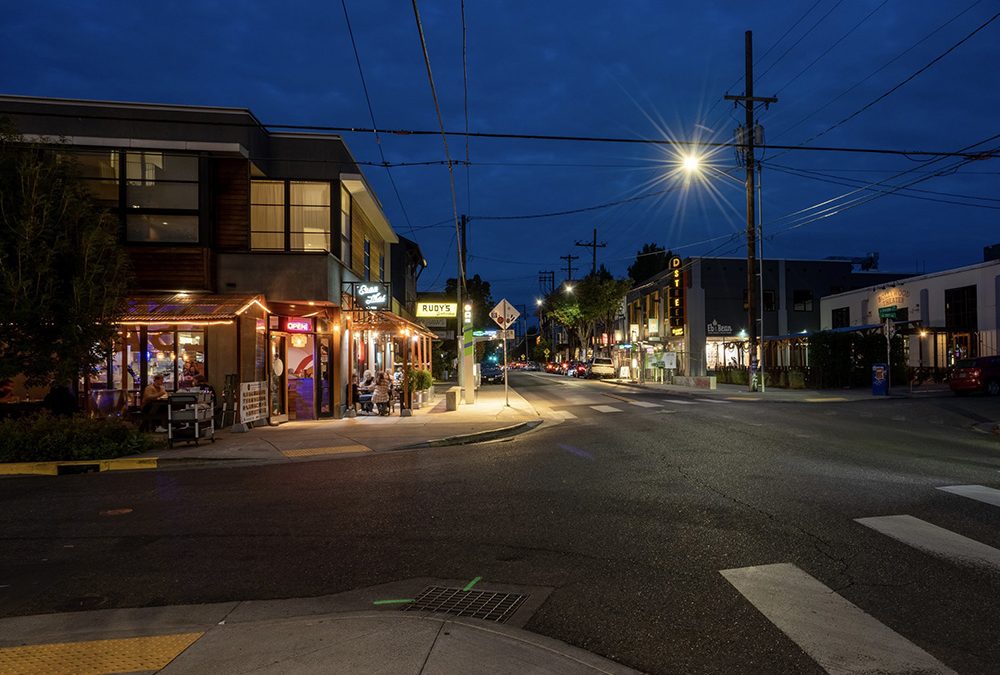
point(100, 103)
point(919, 278)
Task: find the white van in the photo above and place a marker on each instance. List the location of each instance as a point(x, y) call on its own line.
point(600, 366)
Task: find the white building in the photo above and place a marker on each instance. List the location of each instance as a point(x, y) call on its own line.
point(947, 315)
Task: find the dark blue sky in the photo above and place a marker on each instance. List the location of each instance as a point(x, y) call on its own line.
point(636, 69)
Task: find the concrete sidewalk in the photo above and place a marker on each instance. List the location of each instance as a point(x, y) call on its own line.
point(327, 634)
point(488, 416)
point(739, 391)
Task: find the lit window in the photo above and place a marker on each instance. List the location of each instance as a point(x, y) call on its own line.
point(345, 226)
point(267, 215)
point(309, 215)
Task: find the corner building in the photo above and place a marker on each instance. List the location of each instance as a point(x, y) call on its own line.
point(258, 256)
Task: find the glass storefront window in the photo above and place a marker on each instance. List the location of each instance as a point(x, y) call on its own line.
point(191, 352)
point(99, 173)
point(161, 357)
point(345, 226)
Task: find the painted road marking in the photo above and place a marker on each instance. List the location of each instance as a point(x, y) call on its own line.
point(743, 398)
point(711, 400)
point(934, 540)
point(980, 493)
point(825, 399)
point(564, 414)
point(314, 452)
point(605, 408)
point(125, 655)
point(646, 404)
point(837, 634)
point(678, 401)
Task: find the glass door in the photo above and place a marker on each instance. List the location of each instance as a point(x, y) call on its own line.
point(278, 380)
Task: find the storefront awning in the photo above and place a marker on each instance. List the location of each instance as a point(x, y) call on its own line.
point(188, 308)
point(388, 322)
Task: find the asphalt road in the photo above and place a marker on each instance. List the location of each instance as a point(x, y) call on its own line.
point(630, 508)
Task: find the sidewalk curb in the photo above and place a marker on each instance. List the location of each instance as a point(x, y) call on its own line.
point(60, 468)
point(988, 428)
point(477, 437)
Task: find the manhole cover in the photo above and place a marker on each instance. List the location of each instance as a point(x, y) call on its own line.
point(486, 605)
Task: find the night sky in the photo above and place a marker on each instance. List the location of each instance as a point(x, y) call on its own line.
point(630, 69)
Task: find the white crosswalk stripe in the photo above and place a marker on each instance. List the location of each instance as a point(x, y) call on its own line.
point(934, 540)
point(835, 633)
point(712, 400)
point(678, 401)
point(564, 414)
point(646, 404)
point(980, 493)
point(605, 408)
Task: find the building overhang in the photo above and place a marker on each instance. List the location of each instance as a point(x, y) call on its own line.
point(365, 197)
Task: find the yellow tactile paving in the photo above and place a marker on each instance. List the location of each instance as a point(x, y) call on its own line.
point(95, 657)
point(312, 452)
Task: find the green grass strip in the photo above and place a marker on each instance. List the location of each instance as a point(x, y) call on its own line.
point(401, 601)
point(468, 586)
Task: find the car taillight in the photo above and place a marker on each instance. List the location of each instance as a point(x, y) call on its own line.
point(976, 372)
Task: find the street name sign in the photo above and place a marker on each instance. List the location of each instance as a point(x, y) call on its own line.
point(887, 312)
point(504, 314)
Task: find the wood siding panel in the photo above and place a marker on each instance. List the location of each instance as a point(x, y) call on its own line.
point(231, 204)
point(171, 268)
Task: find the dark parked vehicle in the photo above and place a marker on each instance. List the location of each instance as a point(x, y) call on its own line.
point(971, 375)
point(490, 372)
point(551, 367)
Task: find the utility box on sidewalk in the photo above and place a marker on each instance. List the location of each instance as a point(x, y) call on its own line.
point(880, 379)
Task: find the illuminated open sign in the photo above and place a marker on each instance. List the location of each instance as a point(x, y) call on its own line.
point(295, 324)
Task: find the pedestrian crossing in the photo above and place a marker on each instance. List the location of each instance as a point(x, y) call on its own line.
point(621, 404)
point(839, 635)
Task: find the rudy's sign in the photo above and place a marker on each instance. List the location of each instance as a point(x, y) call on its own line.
point(437, 310)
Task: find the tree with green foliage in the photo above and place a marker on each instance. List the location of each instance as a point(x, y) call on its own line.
point(651, 259)
point(63, 274)
point(595, 301)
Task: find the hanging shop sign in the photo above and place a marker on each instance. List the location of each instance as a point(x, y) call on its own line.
point(436, 310)
point(368, 295)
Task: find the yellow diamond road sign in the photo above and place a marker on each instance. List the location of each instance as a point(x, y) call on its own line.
point(504, 314)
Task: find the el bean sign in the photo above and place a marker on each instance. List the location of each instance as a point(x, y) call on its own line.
point(436, 310)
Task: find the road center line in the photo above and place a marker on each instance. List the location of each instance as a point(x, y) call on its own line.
point(837, 634)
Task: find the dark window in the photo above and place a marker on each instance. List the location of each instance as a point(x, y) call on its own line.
point(840, 317)
point(368, 260)
point(960, 308)
point(381, 267)
point(903, 314)
point(802, 300)
point(769, 301)
point(161, 197)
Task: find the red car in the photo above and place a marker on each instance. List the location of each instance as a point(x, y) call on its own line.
point(551, 367)
point(971, 375)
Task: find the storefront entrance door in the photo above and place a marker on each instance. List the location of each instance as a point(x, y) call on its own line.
point(277, 380)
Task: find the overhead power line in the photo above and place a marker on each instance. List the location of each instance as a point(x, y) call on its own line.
point(371, 113)
point(686, 144)
point(801, 38)
point(444, 138)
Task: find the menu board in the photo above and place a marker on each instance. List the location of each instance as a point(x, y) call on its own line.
point(253, 401)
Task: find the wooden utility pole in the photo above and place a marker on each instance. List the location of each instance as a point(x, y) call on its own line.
point(593, 246)
point(747, 146)
point(569, 265)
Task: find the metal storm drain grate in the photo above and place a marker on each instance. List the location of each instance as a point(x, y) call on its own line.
point(486, 605)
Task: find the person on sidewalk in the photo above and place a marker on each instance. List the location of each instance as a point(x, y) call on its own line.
point(380, 395)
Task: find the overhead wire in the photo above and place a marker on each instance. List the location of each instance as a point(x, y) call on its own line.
point(831, 47)
point(801, 38)
point(878, 70)
point(444, 139)
point(371, 113)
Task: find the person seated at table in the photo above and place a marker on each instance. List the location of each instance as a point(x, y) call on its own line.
point(380, 396)
point(153, 406)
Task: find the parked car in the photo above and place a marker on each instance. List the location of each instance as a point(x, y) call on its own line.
point(600, 366)
point(562, 367)
point(532, 366)
point(551, 367)
point(490, 372)
point(971, 375)
point(576, 369)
